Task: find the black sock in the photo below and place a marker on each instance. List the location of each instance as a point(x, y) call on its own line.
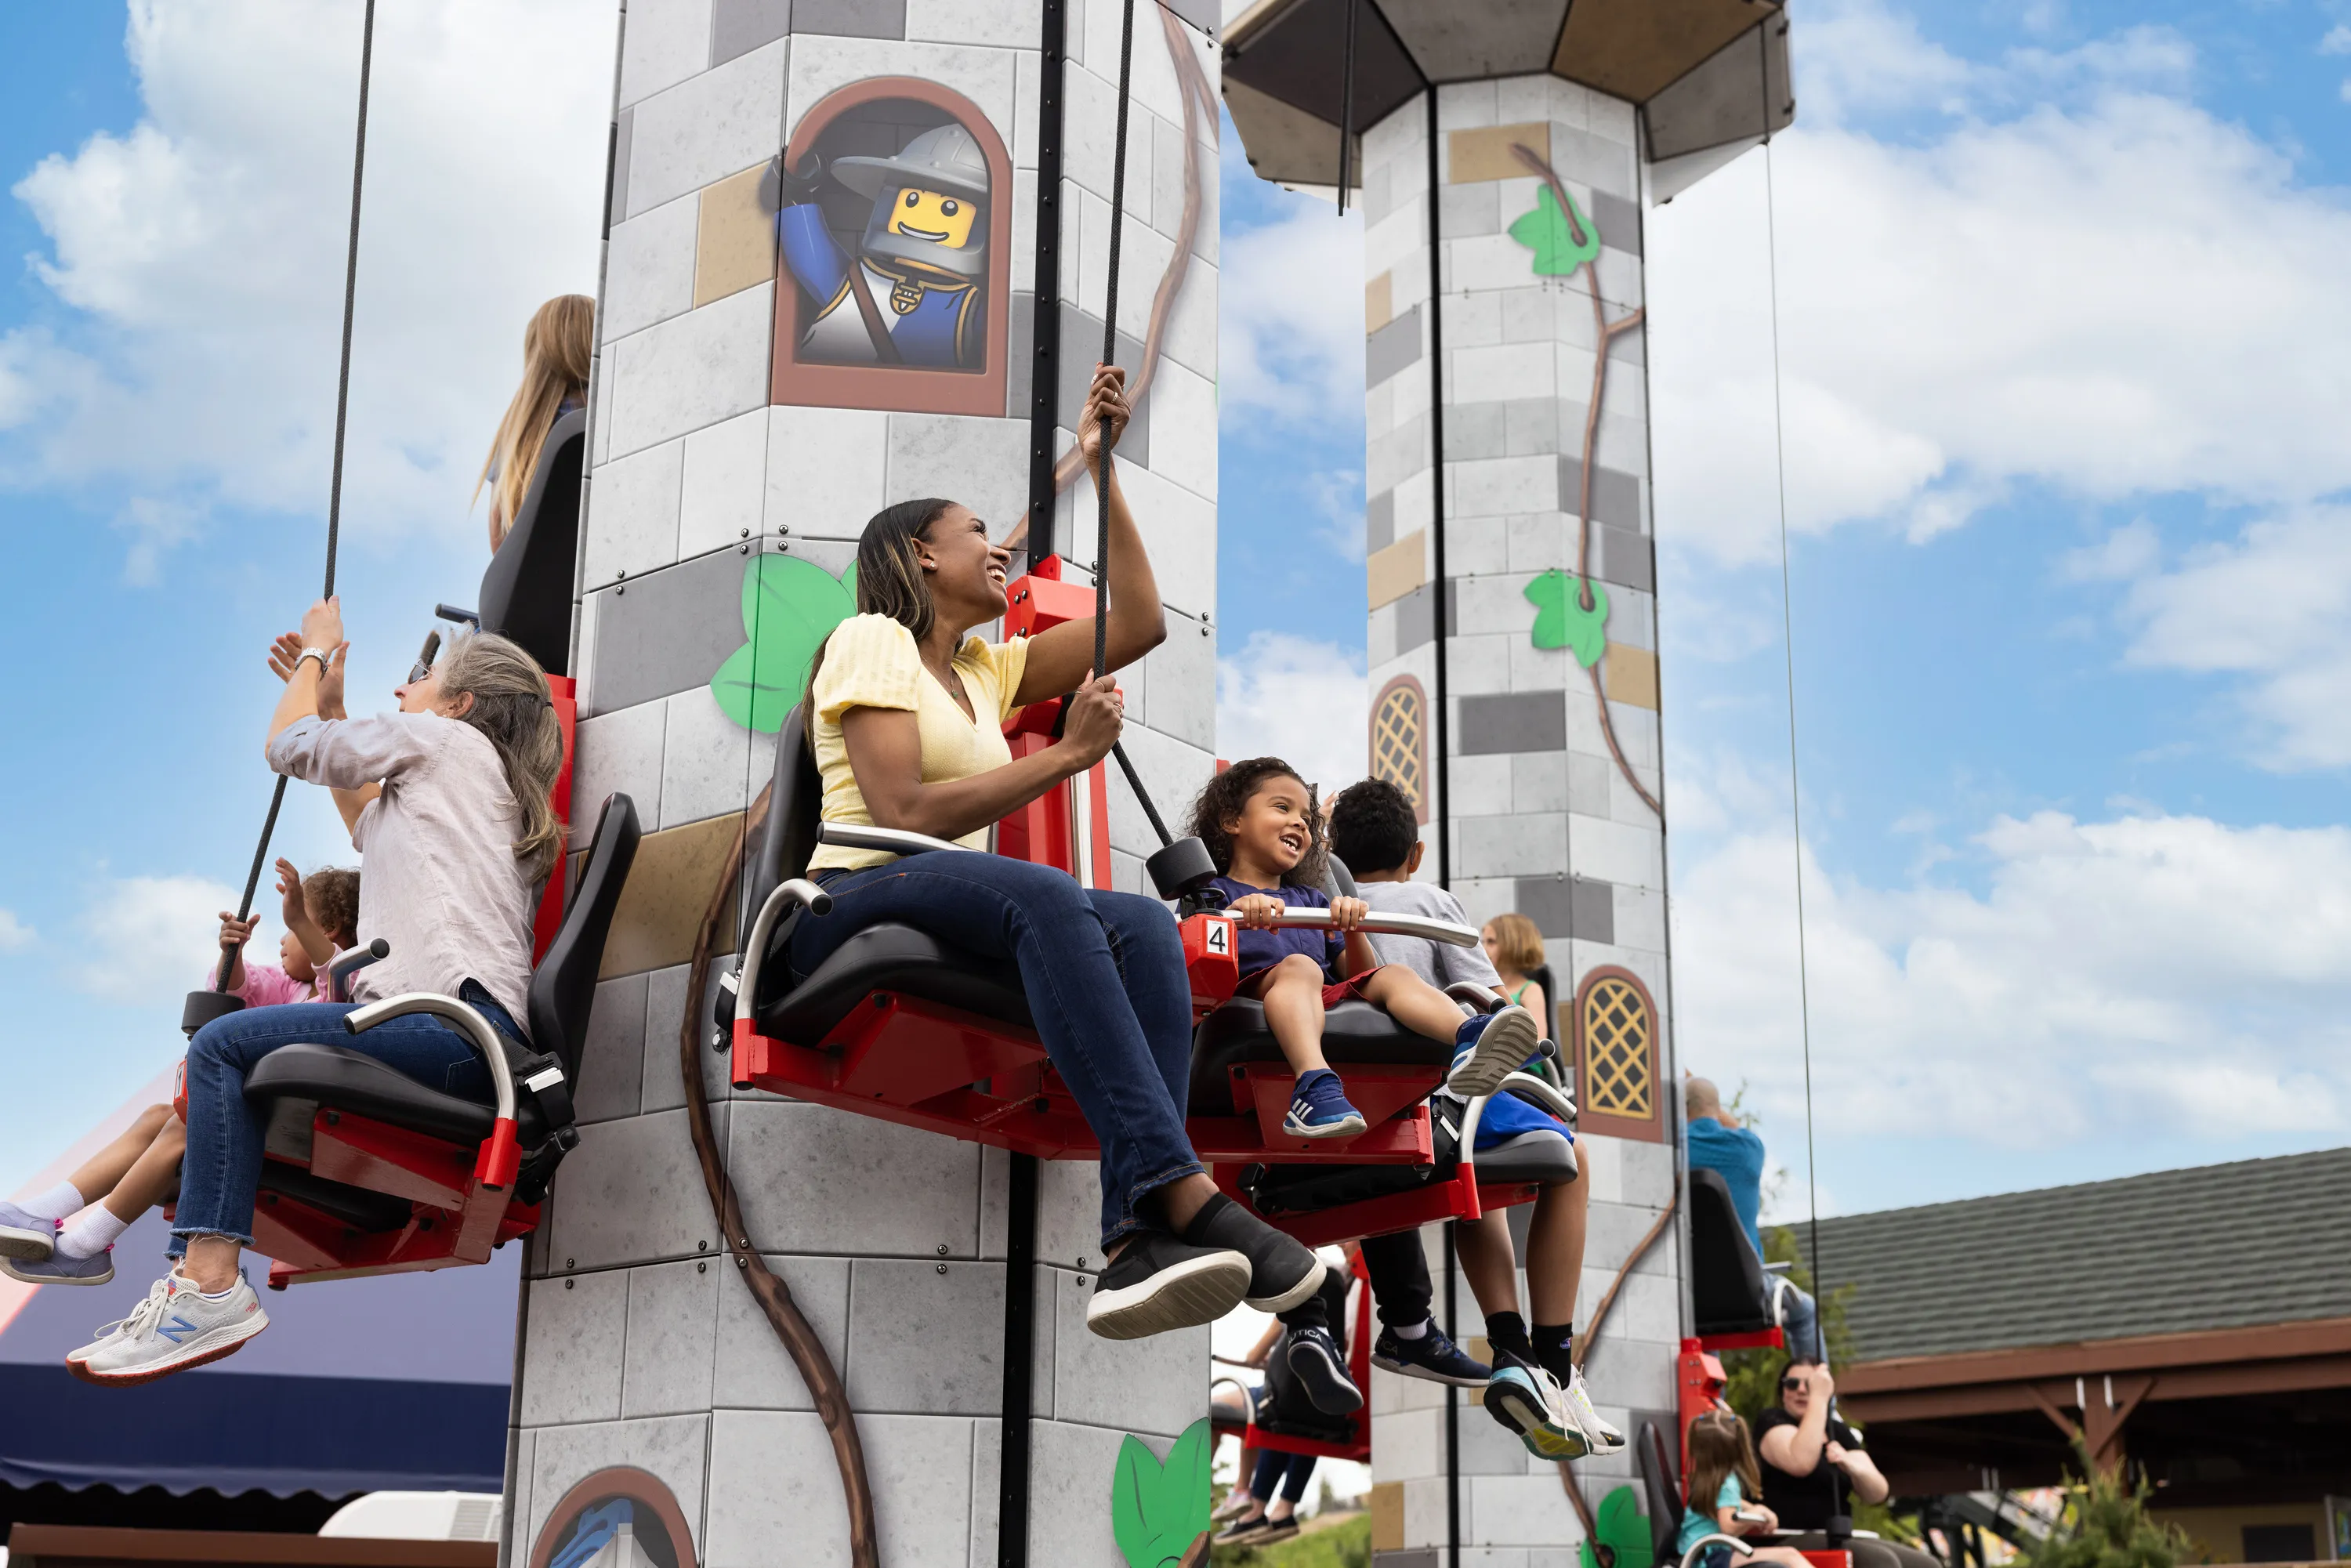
point(1191, 1234)
point(1554, 1348)
point(1507, 1332)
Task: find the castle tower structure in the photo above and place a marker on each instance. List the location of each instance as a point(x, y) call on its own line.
point(1503, 155)
point(781, 353)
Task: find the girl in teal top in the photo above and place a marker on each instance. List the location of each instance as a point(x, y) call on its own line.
point(1723, 1469)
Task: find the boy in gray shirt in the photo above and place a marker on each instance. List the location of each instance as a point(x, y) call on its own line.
point(1375, 831)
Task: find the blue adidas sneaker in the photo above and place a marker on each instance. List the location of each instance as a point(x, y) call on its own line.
point(1319, 1108)
point(1490, 1049)
point(1432, 1358)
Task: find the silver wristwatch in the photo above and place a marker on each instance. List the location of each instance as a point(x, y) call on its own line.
point(317, 654)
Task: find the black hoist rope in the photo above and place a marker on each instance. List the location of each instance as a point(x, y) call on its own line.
point(1109, 357)
point(335, 485)
point(1347, 109)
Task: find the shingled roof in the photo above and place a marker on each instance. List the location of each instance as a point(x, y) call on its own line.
point(2230, 1246)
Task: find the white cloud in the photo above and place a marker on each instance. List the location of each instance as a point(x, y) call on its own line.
point(204, 250)
point(2113, 294)
point(2160, 973)
point(15, 934)
point(2130, 551)
point(2337, 40)
point(2274, 607)
point(1290, 696)
point(150, 938)
point(1289, 335)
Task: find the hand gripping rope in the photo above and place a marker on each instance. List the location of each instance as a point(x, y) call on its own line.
point(203, 1007)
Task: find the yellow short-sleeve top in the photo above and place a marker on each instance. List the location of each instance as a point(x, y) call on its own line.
point(870, 661)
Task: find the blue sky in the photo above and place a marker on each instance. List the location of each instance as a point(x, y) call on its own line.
point(2065, 380)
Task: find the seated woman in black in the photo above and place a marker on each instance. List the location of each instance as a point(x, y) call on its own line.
point(905, 721)
point(1814, 1468)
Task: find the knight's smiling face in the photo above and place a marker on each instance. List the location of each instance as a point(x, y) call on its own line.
point(933, 216)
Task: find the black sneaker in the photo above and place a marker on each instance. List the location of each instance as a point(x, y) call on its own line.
point(1432, 1358)
point(1283, 1270)
point(1157, 1284)
point(1274, 1531)
point(1322, 1371)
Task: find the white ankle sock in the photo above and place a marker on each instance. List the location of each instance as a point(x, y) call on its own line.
point(1417, 1331)
point(55, 1204)
point(91, 1234)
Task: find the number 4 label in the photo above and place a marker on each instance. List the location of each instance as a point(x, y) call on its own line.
point(1220, 937)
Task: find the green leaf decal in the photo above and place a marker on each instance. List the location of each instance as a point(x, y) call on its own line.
point(1619, 1526)
point(1548, 233)
point(1563, 622)
point(789, 607)
point(1157, 1512)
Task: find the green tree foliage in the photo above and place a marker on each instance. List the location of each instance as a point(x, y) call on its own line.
point(789, 607)
point(1561, 241)
point(2106, 1526)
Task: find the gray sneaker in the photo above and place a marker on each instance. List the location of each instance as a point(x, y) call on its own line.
point(57, 1269)
point(1497, 1049)
point(175, 1328)
point(24, 1235)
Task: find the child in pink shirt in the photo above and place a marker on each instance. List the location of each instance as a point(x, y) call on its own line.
point(322, 913)
point(133, 1173)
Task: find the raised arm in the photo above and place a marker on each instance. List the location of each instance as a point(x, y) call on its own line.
point(886, 753)
point(1061, 658)
point(327, 702)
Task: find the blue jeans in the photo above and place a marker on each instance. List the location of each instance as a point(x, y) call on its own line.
point(1289, 1472)
point(222, 1168)
point(1105, 975)
point(1800, 1324)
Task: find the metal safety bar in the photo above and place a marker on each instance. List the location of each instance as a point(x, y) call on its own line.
point(892, 841)
point(1386, 926)
point(477, 1029)
point(792, 890)
point(349, 962)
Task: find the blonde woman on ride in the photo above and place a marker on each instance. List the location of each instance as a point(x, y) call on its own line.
point(556, 346)
point(1513, 944)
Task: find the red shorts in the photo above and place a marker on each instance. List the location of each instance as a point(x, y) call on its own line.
point(1349, 990)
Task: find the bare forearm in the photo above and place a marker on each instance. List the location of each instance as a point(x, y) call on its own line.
point(313, 941)
point(1359, 955)
point(299, 701)
point(951, 809)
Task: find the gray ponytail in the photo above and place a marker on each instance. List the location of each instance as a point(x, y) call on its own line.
point(514, 712)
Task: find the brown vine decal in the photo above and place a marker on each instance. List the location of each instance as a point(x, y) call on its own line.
point(1566, 242)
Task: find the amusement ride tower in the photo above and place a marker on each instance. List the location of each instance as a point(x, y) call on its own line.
point(1503, 152)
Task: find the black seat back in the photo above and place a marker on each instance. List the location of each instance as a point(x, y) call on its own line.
point(795, 801)
point(563, 987)
point(526, 591)
point(1728, 1293)
point(1661, 1480)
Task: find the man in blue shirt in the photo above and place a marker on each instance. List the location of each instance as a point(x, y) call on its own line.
point(1718, 1144)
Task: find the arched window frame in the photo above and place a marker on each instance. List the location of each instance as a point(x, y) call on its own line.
point(1418, 789)
point(1649, 1128)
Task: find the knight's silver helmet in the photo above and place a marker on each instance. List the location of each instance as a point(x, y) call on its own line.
point(946, 159)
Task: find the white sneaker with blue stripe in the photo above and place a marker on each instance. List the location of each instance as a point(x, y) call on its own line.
point(176, 1327)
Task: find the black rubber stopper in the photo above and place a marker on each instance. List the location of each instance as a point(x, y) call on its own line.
point(203, 1007)
point(1180, 867)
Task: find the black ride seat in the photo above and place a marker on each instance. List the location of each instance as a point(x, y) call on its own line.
point(1236, 1035)
point(886, 957)
point(527, 591)
point(296, 1080)
point(1729, 1291)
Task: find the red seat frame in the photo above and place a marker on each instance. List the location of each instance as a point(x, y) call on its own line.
point(921, 1064)
point(1358, 1445)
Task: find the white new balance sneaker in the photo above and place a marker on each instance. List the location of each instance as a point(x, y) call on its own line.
point(176, 1327)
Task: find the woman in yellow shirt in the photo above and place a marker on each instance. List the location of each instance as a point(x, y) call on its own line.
point(906, 719)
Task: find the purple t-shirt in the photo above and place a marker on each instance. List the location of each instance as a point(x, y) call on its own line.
point(1262, 950)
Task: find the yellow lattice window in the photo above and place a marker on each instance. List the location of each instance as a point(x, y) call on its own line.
point(1399, 740)
point(1617, 1031)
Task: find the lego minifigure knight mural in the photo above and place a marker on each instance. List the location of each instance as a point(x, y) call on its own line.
point(892, 224)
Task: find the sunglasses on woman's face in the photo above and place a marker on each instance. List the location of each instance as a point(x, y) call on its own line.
point(1791, 1384)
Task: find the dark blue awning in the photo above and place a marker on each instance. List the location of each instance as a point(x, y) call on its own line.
point(397, 1383)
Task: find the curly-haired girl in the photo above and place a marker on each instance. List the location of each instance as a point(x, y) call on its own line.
point(1261, 823)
